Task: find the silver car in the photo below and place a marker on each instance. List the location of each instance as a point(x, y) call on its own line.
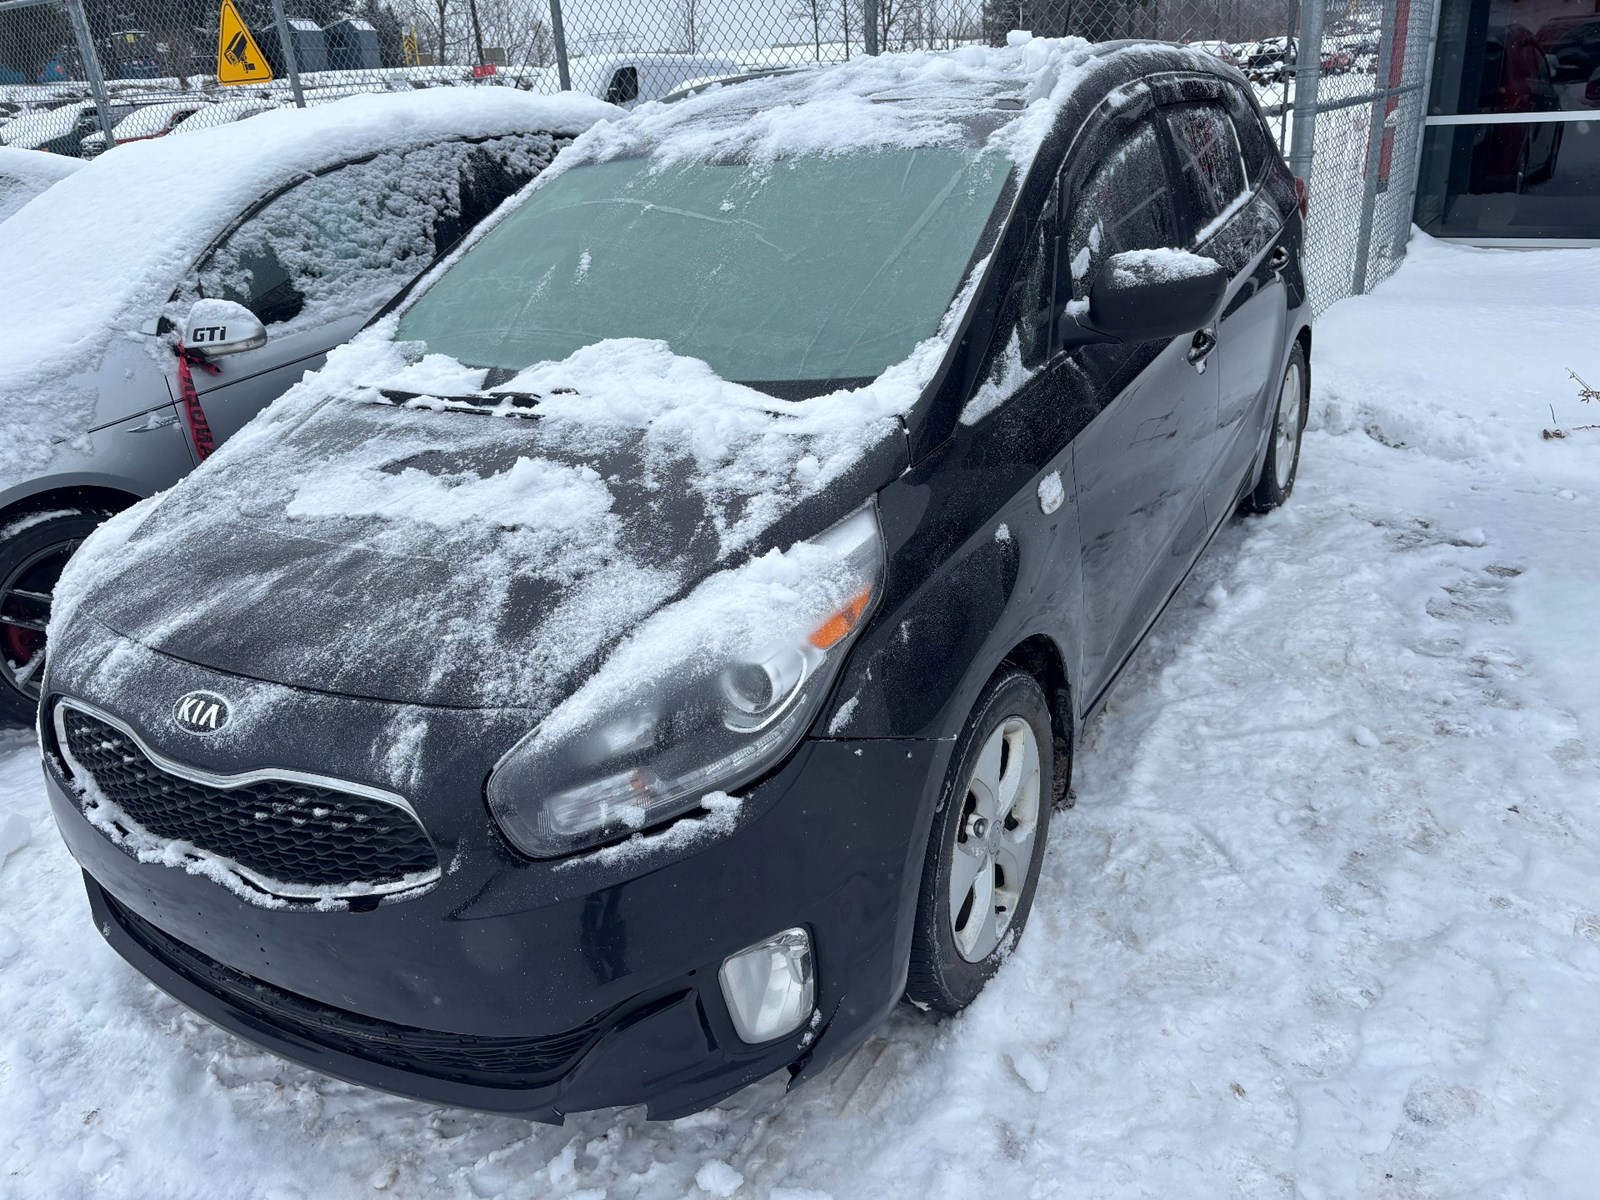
point(158, 299)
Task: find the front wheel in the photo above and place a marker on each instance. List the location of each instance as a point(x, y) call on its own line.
point(1288, 427)
point(987, 843)
point(34, 547)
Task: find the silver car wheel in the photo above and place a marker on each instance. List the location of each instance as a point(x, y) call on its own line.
point(1291, 408)
point(993, 848)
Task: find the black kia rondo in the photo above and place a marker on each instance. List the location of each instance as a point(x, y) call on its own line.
point(656, 645)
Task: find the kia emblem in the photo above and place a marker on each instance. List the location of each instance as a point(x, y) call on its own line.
point(200, 712)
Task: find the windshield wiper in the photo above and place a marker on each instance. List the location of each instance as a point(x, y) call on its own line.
point(487, 404)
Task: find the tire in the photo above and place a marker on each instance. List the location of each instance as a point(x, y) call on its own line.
point(957, 946)
point(33, 549)
point(1546, 172)
point(1282, 462)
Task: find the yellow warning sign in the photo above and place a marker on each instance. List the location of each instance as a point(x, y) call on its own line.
point(239, 59)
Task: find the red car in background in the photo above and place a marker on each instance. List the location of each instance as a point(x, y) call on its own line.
point(142, 124)
point(1516, 79)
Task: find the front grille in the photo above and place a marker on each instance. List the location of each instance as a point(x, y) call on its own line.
point(287, 837)
point(463, 1057)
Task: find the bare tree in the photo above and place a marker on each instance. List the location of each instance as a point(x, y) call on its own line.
point(689, 24)
point(510, 26)
point(813, 11)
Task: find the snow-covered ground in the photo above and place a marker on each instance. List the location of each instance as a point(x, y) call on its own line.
point(1325, 921)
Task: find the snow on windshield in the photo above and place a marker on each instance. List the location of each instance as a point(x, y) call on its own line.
point(825, 269)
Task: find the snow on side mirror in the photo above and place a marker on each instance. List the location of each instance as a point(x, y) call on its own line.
point(218, 327)
point(1142, 295)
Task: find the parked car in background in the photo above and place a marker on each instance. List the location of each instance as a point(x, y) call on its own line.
point(1516, 78)
point(656, 647)
point(223, 112)
point(24, 174)
point(1573, 44)
point(1270, 60)
point(145, 122)
point(1336, 60)
point(628, 79)
point(62, 129)
point(293, 236)
point(1226, 51)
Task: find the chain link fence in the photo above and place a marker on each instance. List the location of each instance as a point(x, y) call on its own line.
point(1356, 138)
point(1342, 82)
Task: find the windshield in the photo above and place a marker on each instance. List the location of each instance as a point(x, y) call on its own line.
point(816, 268)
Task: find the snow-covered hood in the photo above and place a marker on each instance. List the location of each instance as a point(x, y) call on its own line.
point(428, 552)
point(98, 260)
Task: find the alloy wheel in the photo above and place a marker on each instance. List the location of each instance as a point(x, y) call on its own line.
point(26, 595)
point(1291, 410)
point(993, 847)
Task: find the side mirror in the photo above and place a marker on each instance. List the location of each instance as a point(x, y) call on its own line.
point(218, 327)
point(1148, 295)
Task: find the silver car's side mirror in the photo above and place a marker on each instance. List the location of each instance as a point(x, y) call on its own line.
point(218, 327)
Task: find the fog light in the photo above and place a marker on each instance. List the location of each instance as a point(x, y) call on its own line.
point(769, 987)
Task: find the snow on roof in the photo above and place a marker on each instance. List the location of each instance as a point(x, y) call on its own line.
point(119, 234)
point(30, 129)
point(36, 164)
point(26, 173)
point(153, 118)
point(909, 99)
point(224, 113)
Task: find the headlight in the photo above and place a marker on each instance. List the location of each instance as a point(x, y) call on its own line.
point(709, 693)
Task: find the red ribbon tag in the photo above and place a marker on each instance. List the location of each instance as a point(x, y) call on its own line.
point(199, 427)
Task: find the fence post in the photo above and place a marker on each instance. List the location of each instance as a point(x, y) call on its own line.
point(1402, 233)
point(558, 35)
point(1369, 191)
point(286, 44)
point(91, 66)
point(1307, 81)
point(869, 22)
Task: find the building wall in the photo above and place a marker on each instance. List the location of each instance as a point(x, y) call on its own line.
point(1511, 148)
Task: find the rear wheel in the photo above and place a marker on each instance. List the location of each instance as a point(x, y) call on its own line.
point(34, 547)
point(1288, 427)
point(988, 840)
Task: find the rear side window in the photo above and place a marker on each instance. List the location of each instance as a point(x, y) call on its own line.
point(1126, 204)
point(624, 87)
point(1210, 165)
point(1256, 143)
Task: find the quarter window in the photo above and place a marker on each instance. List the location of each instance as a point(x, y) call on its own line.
point(1255, 139)
point(624, 87)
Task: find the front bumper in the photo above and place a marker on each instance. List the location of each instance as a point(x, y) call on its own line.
point(522, 987)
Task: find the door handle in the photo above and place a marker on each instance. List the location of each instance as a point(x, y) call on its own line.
point(1278, 259)
point(1201, 347)
point(156, 420)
